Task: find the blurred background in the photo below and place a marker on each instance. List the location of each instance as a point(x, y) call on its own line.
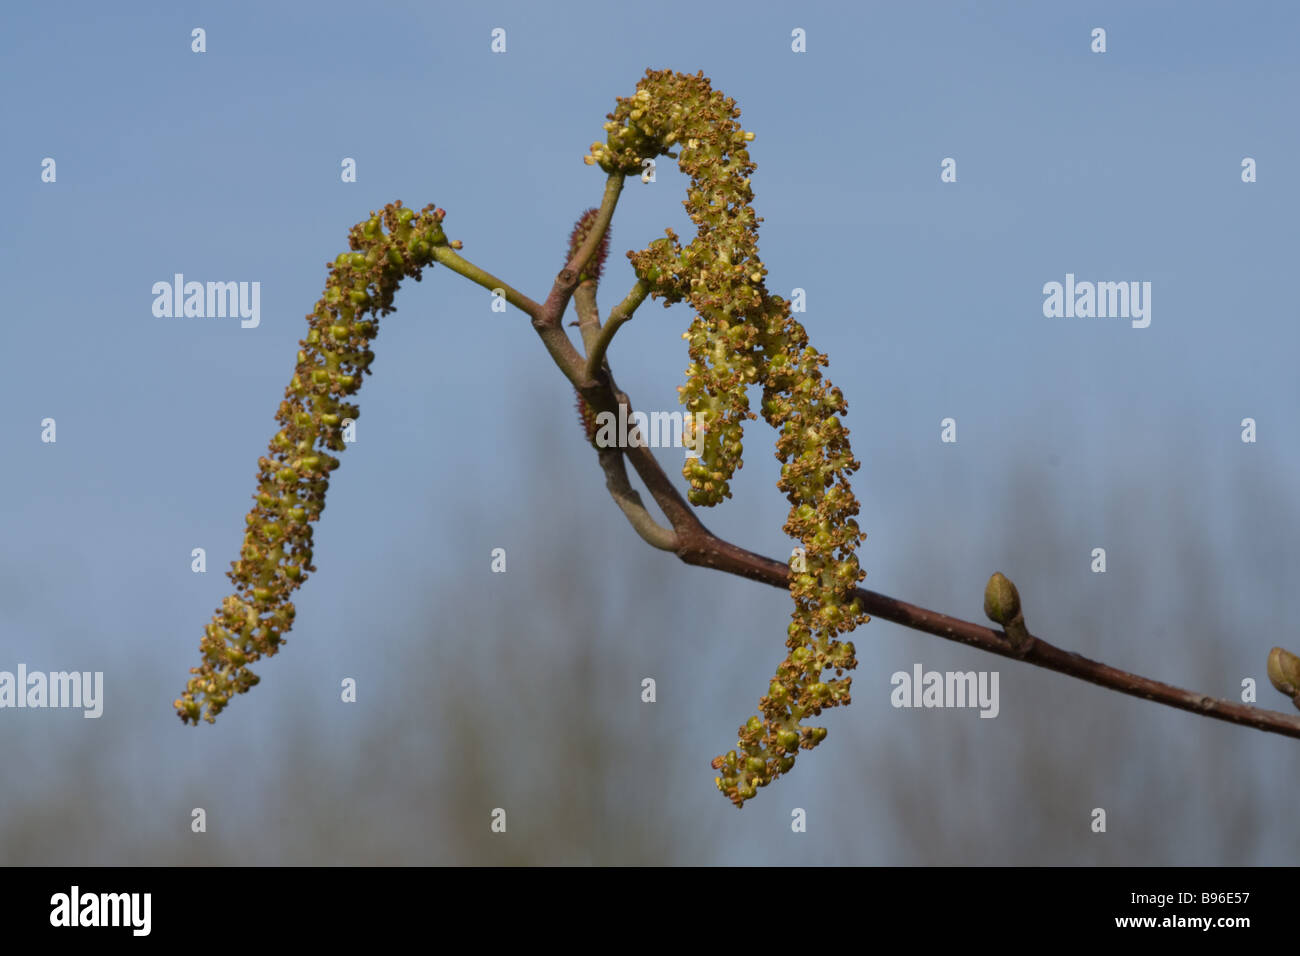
point(521, 690)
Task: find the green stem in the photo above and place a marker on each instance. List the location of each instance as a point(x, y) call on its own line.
point(622, 312)
point(584, 301)
point(448, 257)
point(613, 187)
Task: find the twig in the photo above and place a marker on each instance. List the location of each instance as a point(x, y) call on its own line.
point(711, 551)
point(621, 313)
point(446, 256)
point(694, 544)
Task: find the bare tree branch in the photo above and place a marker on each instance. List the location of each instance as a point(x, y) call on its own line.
point(625, 496)
point(694, 544)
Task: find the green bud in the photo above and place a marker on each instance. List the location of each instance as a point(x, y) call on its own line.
point(1001, 599)
point(1284, 671)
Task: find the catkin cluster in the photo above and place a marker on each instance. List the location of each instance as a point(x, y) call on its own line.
point(276, 556)
point(742, 336)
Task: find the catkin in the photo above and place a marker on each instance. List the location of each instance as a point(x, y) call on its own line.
point(742, 336)
point(276, 556)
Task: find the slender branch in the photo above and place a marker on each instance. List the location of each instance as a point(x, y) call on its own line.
point(613, 187)
point(620, 488)
point(448, 257)
point(567, 280)
point(698, 546)
point(584, 301)
point(670, 501)
point(548, 321)
point(694, 544)
point(710, 551)
point(622, 312)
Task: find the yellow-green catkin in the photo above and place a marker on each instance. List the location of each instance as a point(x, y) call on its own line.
point(742, 336)
point(276, 556)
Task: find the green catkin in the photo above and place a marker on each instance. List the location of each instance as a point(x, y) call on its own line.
point(742, 336)
point(276, 556)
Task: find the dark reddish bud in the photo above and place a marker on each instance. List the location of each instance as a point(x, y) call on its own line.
point(587, 418)
point(582, 229)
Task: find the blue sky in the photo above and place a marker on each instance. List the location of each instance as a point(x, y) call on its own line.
point(1122, 166)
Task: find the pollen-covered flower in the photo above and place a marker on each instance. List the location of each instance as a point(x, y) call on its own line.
point(276, 555)
point(742, 336)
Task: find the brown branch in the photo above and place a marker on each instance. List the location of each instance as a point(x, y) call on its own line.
point(584, 302)
point(694, 544)
point(711, 551)
point(625, 496)
point(548, 320)
point(698, 546)
point(562, 290)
